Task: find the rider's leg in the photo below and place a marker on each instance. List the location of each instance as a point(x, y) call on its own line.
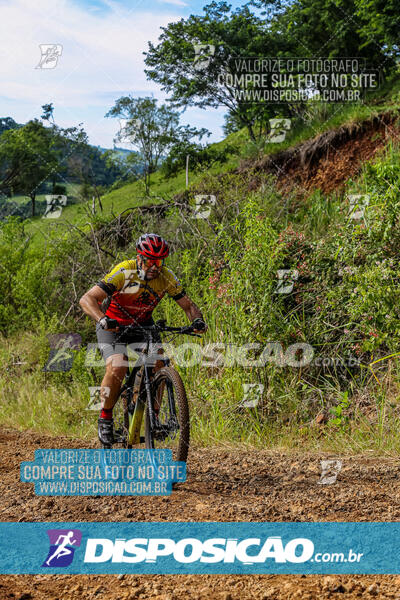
point(116, 366)
point(114, 353)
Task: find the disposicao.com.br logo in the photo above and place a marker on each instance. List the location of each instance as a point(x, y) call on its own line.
point(213, 550)
point(63, 543)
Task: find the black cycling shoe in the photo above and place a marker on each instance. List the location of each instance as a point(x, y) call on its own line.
point(106, 431)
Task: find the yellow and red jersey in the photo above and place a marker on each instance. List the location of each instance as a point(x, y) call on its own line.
point(132, 299)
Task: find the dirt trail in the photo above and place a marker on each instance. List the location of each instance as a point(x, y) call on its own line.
point(221, 486)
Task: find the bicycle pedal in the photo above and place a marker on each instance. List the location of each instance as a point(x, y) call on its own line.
point(160, 436)
point(160, 433)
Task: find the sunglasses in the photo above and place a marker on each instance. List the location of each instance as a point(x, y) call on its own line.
point(149, 262)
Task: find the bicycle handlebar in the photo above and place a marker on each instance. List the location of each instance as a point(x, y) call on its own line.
point(158, 326)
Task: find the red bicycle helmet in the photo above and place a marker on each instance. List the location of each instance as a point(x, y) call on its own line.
point(152, 245)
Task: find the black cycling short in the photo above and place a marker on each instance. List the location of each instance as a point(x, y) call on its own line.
point(114, 342)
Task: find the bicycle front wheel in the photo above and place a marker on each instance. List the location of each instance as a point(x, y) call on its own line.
point(121, 422)
point(173, 427)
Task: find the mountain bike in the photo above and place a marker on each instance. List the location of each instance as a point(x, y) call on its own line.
point(146, 392)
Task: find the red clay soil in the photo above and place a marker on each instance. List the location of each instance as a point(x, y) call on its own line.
point(330, 159)
point(342, 163)
point(221, 485)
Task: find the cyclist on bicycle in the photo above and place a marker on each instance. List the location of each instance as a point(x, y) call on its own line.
point(134, 288)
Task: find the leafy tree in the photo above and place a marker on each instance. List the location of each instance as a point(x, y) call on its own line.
point(199, 157)
point(129, 165)
point(8, 123)
point(80, 161)
point(152, 129)
point(48, 112)
point(232, 124)
point(327, 28)
point(28, 157)
point(232, 34)
point(380, 24)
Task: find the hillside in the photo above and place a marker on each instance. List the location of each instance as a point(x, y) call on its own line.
point(358, 125)
point(278, 207)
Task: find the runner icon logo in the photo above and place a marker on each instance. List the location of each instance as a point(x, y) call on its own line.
point(63, 543)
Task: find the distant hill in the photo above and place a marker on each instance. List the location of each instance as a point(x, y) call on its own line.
point(105, 174)
point(7, 123)
point(121, 151)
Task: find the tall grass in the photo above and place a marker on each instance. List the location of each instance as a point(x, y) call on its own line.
point(343, 304)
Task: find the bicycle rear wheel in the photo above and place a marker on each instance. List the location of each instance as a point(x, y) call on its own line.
point(168, 391)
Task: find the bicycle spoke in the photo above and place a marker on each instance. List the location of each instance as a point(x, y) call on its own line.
point(171, 428)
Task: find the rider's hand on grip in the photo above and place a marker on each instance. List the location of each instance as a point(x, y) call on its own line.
point(107, 323)
point(161, 323)
point(199, 326)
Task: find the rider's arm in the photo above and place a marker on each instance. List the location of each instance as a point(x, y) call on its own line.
point(113, 281)
point(90, 302)
point(192, 311)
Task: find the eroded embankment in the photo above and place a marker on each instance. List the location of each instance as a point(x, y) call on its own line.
point(328, 160)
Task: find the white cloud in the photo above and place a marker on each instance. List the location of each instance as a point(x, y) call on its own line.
point(101, 59)
point(176, 2)
point(101, 53)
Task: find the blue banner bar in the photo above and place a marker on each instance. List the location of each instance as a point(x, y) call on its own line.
point(195, 548)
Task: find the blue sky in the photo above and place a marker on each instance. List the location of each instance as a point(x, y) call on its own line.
point(101, 59)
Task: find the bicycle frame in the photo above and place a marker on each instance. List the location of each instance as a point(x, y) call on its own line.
point(135, 420)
